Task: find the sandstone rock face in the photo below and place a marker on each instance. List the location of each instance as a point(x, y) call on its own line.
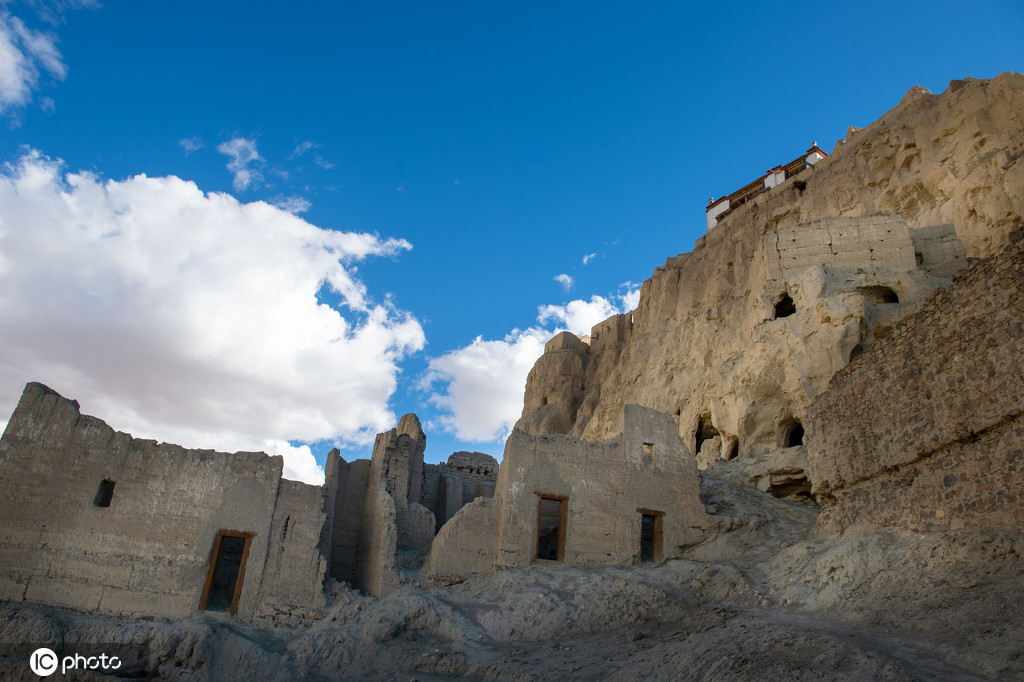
point(738, 337)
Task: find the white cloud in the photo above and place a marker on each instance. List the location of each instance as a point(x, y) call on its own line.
point(192, 144)
point(243, 161)
point(578, 316)
point(565, 280)
point(589, 257)
point(294, 205)
point(323, 163)
point(486, 379)
point(302, 148)
point(24, 54)
point(191, 317)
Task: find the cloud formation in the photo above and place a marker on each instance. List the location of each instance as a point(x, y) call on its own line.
point(24, 55)
point(565, 280)
point(243, 161)
point(192, 144)
point(589, 257)
point(191, 317)
point(485, 380)
point(292, 204)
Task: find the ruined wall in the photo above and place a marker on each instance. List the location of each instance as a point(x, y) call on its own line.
point(924, 430)
point(391, 518)
point(468, 543)
point(293, 574)
point(648, 466)
point(351, 485)
point(704, 342)
point(449, 486)
point(148, 552)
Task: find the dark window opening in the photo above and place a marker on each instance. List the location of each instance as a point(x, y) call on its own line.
point(551, 514)
point(785, 307)
point(918, 259)
point(105, 494)
point(226, 572)
point(544, 400)
point(705, 431)
point(733, 449)
point(650, 535)
point(878, 294)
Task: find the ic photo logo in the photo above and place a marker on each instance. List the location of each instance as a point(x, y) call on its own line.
point(44, 662)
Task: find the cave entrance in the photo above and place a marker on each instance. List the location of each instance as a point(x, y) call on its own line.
point(650, 535)
point(552, 511)
point(705, 431)
point(785, 307)
point(226, 572)
point(791, 433)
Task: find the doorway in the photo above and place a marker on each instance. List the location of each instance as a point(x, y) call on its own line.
point(226, 573)
point(650, 535)
point(551, 515)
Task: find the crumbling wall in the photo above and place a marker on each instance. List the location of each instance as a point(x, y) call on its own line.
point(392, 518)
point(349, 481)
point(468, 543)
point(374, 570)
point(605, 485)
point(293, 574)
point(148, 551)
point(923, 431)
point(449, 486)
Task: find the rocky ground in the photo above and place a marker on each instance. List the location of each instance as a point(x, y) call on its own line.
point(767, 598)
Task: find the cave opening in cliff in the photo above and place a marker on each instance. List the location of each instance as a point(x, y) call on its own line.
point(226, 572)
point(791, 433)
point(878, 294)
point(785, 307)
point(551, 517)
point(705, 431)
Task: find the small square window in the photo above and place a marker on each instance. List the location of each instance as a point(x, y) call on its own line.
point(105, 494)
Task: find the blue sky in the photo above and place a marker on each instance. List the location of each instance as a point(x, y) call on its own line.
point(468, 154)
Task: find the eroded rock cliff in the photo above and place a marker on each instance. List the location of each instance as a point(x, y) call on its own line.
point(738, 337)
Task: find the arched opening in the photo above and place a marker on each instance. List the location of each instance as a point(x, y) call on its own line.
point(878, 294)
point(705, 431)
point(732, 450)
point(791, 433)
point(785, 307)
point(856, 352)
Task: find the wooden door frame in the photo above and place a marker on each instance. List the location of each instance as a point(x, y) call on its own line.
point(563, 522)
point(224, 533)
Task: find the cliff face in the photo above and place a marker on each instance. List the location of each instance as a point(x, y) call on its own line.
point(738, 337)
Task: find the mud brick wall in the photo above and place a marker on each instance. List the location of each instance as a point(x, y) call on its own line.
point(923, 431)
point(149, 550)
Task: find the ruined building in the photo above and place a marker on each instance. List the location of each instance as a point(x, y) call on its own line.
point(850, 337)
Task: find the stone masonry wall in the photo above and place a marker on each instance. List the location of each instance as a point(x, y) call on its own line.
point(923, 431)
